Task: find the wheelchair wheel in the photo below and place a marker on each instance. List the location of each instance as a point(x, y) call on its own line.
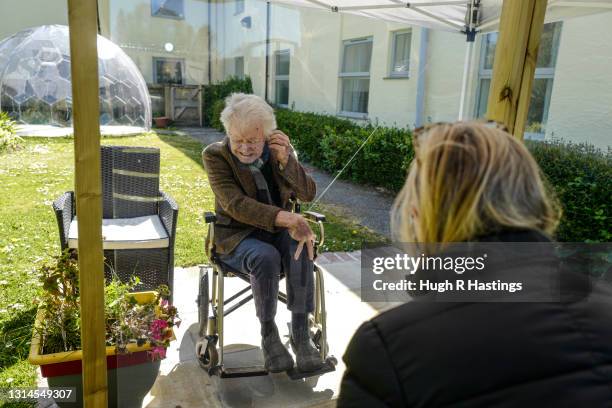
point(208, 356)
point(317, 340)
point(203, 303)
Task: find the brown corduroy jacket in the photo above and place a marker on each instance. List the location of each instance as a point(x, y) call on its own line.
point(238, 211)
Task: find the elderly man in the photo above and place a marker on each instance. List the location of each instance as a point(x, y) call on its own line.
point(253, 173)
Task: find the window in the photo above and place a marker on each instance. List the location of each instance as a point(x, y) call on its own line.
point(168, 70)
point(542, 84)
point(281, 77)
point(355, 77)
point(400, 53)
point(239, 67)
point(168, 8)
point(239, 7)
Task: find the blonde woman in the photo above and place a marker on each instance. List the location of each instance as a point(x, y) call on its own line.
point(475, 182)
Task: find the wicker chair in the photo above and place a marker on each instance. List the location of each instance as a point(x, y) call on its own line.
point(139, 220)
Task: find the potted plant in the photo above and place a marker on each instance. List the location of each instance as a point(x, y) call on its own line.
point(138, 331)
point(161, 121)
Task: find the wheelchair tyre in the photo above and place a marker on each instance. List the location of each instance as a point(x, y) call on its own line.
point(316, 338)
point(208, 356)
point(203, 304)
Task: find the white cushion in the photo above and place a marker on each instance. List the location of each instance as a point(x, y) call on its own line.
point(127, 233)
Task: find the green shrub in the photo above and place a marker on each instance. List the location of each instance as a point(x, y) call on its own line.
point(9, 140)
point(581, 177)
point(329, 142)
point(579, 174)
point(308, 129)
point(220, 90)
point(217, 108)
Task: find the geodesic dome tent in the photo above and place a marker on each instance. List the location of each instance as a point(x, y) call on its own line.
point(35, 84)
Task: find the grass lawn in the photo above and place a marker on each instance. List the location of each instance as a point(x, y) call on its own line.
point(31, 178)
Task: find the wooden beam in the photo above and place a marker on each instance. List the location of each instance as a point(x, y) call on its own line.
point(514, 67)
point(86, 112)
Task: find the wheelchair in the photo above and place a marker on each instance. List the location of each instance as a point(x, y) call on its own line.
point(213, 307)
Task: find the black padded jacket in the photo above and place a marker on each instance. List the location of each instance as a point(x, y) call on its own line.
point(428, 354)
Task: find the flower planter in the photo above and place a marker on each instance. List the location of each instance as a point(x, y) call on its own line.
point(130, 376)
point(161, 121)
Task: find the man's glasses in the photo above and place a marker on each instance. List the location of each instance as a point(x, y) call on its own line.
point(248, 143)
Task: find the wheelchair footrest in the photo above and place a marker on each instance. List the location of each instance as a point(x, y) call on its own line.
point(235, 372)
point(328, 366)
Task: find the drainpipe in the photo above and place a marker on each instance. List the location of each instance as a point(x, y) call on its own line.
point(420, 94)
point(267, 50)
point(209, 43)
point(471, 18)
point(464, 82)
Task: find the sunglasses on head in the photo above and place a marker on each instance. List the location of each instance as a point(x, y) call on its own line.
point(422, 130)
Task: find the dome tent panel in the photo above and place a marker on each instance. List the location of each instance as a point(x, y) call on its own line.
point(35, 77)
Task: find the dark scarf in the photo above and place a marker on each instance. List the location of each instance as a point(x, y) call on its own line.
point(263, 190)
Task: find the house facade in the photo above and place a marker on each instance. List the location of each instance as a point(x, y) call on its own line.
point(352, 66)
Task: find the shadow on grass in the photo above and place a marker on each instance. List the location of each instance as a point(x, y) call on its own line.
point(15, 336)
point(190, 147)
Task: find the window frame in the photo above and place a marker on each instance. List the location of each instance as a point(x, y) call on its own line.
point(181, 17)
point(235, 63)
point(183, 68)
point(282, 77)
point(391, 72)
point(357, 75)
point(239, 10)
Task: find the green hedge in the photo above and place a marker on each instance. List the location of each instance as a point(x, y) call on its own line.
point(579, 174)
point(329, 142)
point(217, 92)
point(217, 108)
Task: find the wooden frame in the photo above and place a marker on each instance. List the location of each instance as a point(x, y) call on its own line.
point(514, 67)
point(82, 19)
point(515, 63)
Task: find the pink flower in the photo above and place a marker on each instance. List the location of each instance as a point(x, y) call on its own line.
point(158, 353)
point(158, 328)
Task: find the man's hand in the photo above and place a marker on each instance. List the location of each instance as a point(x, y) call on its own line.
point(299, 230)
point(280, 146)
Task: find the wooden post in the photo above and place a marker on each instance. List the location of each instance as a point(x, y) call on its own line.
point(172, 94)
point(86, 122)
point(516, 55)
point(167, 103)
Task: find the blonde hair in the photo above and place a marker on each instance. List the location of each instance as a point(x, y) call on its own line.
point(244, 110)
point(468, 179)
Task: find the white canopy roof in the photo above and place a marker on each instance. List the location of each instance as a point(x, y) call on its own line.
point(449, 15)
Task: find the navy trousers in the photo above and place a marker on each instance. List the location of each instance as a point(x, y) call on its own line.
point(264, 260)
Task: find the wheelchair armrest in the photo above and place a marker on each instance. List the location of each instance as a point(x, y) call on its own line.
point(315, 216)
point(210, 217)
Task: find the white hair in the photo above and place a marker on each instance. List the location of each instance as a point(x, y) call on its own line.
point(244, 110)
